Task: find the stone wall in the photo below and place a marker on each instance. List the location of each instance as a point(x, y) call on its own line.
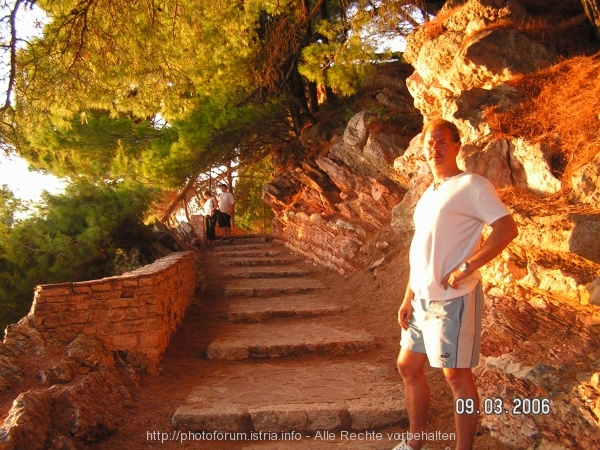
point(336, 245)
point(136, 312)
point(333, 208)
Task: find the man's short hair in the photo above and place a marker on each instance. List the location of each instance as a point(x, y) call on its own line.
point(223, 185)
point(441, 123)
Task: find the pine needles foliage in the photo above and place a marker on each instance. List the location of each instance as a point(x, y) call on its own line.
point(252, 214)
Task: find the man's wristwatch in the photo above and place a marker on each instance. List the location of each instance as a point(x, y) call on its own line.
point(464, 267)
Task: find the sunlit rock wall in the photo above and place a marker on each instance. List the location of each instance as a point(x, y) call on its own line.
point(332, 206)
point(542, 318)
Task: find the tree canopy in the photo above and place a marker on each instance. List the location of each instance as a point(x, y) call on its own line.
point(103, 73)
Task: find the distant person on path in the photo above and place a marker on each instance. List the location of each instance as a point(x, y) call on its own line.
point(440, 314)
point(210, 217)
point(226, 202)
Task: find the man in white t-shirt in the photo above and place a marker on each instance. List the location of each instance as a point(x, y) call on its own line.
point(440, 314)
point(226, 201)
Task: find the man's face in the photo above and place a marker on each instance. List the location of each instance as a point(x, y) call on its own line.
point(440, 150)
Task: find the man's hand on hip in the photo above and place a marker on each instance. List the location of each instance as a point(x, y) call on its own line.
point(454, 278)
point(405, 314)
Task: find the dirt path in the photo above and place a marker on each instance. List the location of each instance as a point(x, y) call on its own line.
point(363, 303)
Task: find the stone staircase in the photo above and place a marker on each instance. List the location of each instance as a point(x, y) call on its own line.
point(284, 362)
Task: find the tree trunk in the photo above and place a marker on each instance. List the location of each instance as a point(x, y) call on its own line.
point(296, 119)
point(311, 87)
point(592, 11)
point(313, 99)
point(329, 96)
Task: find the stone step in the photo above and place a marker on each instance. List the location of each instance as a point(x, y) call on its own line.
point(304, 398)
point(234, 245)
point(243, 240)
point(248, 253)
point(259, 341)
point(259, 261)
point(260, 287)
point(265, 272)
point(260, 309)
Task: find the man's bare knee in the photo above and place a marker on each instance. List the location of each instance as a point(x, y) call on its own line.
point(410, 364)
point(404, 369)
point(458, 378)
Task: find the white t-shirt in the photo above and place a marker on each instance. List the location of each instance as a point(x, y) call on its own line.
point(226, 202)
point(448, 225)
point(209, 205)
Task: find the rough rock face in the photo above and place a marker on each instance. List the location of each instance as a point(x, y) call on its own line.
point(541, 331)
point(542, 322)
point(332, 206)
point(79, 397)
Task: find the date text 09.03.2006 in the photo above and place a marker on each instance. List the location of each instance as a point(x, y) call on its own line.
point(516, 406)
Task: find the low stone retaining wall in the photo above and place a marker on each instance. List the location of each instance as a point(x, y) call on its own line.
point(136, 312)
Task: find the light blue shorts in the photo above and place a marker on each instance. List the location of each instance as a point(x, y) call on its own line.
point(448, 331)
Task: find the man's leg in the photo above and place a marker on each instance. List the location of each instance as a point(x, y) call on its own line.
point(463, 386)
point(411, 367)
point(227, 228)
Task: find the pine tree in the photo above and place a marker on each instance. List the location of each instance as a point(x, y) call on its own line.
point(74, 237)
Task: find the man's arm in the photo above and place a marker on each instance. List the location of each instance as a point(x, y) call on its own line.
point(230, 201)
point(504, 230)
